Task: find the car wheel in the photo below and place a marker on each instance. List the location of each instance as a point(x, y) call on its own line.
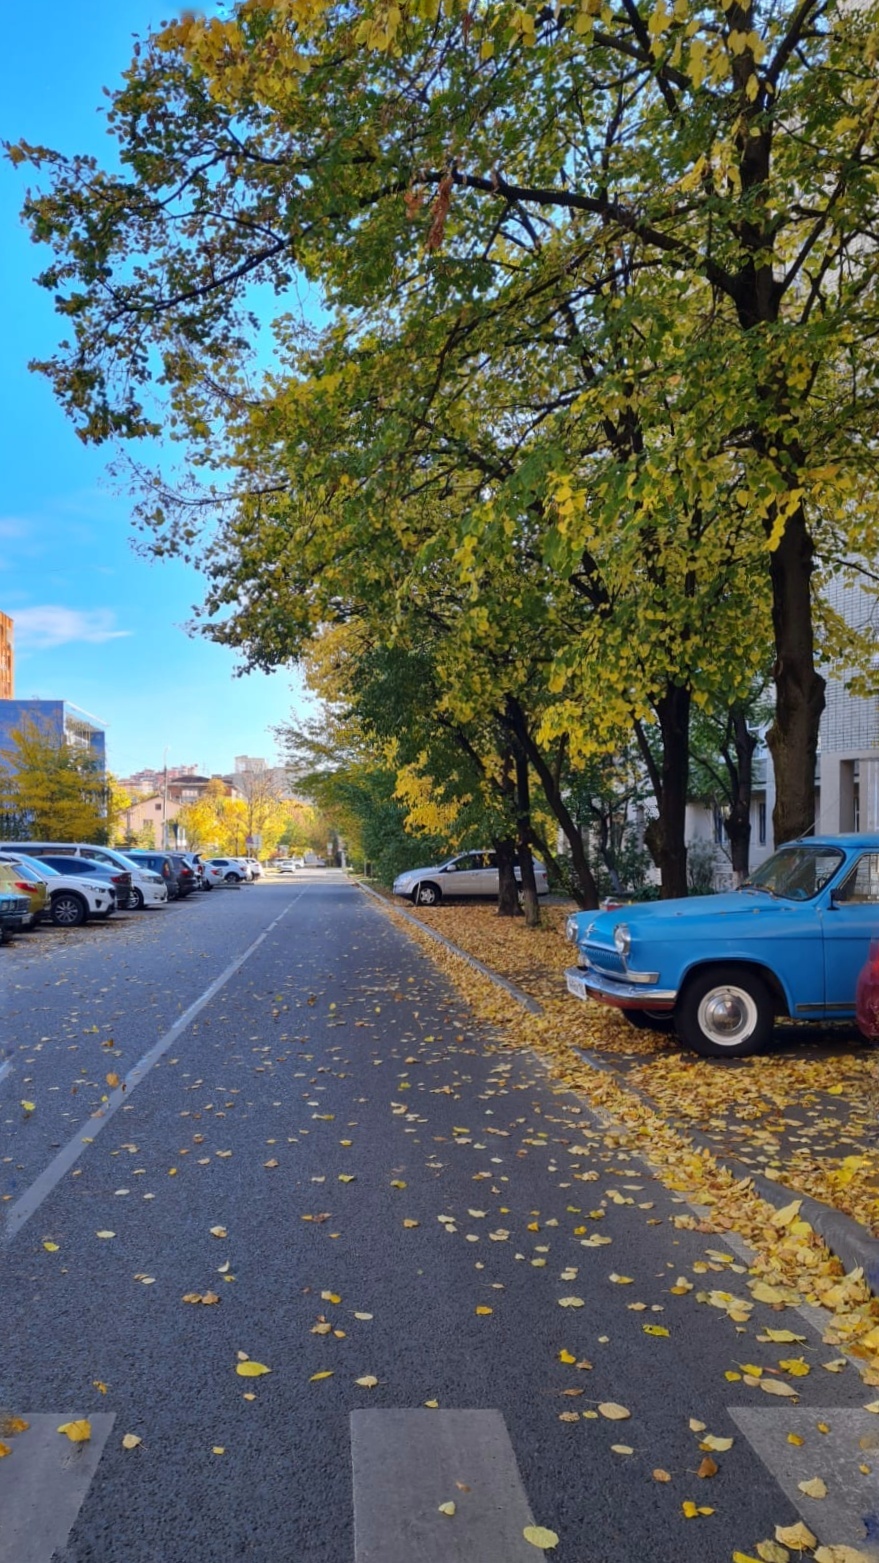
point(426, 895)
point(232, 879)
point(725, 1013)
point(648, 1020)
point(68, 910)
point(207, 885)
point(136, 899)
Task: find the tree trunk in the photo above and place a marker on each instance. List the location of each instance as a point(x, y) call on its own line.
point(738, 823)
point(586, 890)
point(665, 835)
point(530, 903)
point(508, 889)
point(799, 690)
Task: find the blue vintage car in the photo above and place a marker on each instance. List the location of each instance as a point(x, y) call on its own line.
point(720, 968)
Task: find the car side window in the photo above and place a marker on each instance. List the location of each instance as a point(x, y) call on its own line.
point(862, 884)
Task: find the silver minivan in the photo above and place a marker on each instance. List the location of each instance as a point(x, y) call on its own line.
point(147, 889)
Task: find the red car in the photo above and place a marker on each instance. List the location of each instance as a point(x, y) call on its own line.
point(867, 995)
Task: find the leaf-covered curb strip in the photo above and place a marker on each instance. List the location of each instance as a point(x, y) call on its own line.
point(791, 1264)
point(760, 1094)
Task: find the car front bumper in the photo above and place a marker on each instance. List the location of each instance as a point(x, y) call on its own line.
point(154, 895)
point(586, 983)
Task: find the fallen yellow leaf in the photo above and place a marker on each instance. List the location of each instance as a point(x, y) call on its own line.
point(659, 1475)
point(105, 1234)
point(798, 1537)
point(78, 1432)
point(51, 1248)
point(613, 1412)
point(539, 1536)
point(814, 1488)
point(367, 1382)
point(248, 1369)
point(571, 1302)
point(316, 1377)
point(130, 1440)
point(483, 1310)
point(446, 1508)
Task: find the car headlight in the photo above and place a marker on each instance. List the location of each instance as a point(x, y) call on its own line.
point(155, 879)
point(571, 926)
point(622, 939)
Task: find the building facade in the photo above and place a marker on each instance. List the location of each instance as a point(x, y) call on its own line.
point(59, 721)
point(7, 658)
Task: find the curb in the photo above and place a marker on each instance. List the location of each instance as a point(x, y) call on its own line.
point(845, 1237)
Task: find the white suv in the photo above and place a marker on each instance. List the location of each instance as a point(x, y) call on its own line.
point(71, 898)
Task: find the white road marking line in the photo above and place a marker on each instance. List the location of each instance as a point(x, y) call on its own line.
point(849, 1515)
point(406, 1463)
point(43, 1484)
point(6, 1069)
point(51, 1175)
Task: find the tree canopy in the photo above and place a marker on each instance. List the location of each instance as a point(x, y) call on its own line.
point(596, 358)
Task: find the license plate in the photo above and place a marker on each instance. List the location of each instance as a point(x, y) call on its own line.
point(577, 986)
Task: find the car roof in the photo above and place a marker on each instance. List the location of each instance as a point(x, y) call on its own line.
point(856, 839)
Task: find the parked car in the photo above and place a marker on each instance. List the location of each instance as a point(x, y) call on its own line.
point(74, 894)
point(231, 870)
point(146, 889)
point(792, 941)
point(255, 866)
point(867, 995)
point(244, 865)
point(14, 909)
point(187, 876)
point(212, 874)
point(160, 863)
point(103, 875)
point(470, 873)
point(15, 880)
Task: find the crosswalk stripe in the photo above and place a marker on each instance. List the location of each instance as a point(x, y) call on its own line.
point(43, 1482)
point(408, 1462)
point(849, 1514)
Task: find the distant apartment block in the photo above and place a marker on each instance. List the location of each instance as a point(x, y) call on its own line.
point(7, 658)
point(152, 781)
point(58, 720)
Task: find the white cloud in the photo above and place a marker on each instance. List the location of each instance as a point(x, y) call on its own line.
point(46, 627)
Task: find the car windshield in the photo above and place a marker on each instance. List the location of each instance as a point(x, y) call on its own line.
point(797, 873)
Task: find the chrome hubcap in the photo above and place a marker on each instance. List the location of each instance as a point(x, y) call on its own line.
point(727, 1015)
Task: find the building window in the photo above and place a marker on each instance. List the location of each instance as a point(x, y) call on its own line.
point(761, 823)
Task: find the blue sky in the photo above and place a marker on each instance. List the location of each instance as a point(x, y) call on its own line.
point(95, 624)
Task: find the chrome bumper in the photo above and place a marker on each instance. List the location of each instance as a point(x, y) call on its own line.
point(589, 984)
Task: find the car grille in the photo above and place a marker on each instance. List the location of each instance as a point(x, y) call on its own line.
point(604, 958)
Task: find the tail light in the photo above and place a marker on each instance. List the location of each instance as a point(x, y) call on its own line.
point(26, 886)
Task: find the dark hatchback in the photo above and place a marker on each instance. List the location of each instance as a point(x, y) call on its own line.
point(187, 877)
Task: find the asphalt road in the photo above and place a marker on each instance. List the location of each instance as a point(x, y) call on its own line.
point(322, 1138)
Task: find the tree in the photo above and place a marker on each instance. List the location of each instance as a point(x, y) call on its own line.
point(607, 279)
point(52, 790)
